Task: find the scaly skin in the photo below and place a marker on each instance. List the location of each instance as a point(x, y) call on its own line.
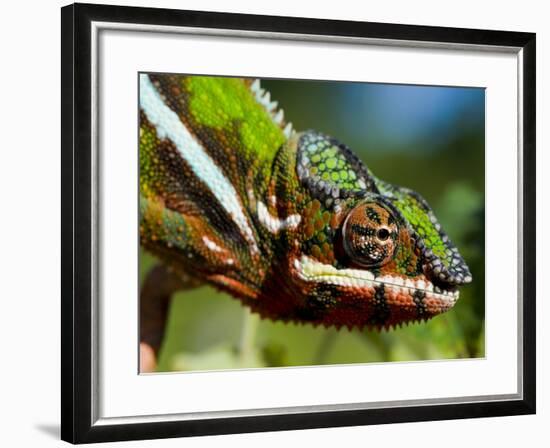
point(292, 224)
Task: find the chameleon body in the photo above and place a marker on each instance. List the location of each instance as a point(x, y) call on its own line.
point(291, 223)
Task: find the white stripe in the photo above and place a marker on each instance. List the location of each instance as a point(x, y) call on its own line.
point(168, 125)
point(312, 270)
point(211, 244)
point(274, 224)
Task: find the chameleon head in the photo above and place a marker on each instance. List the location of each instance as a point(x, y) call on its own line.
point(392, 264)
point(383, 273)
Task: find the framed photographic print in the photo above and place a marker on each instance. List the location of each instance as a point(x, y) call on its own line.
point(277, 223)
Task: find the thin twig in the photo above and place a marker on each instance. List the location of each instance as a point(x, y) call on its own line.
point(326, 344)
point(248, 335)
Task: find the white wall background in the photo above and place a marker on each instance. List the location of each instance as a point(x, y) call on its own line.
point(30, 209)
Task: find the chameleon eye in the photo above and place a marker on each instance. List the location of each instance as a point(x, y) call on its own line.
point(370, 234)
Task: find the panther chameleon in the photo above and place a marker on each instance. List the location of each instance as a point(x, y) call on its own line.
point(293, 224)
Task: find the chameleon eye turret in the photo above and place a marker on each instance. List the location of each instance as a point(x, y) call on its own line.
point(370, 233)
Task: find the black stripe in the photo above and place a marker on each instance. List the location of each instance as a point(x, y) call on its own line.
point(362, 230)
point(183, 192)
point(176, 98)
point(373, 215)
point(381, 308)
point(418, 297)
point(318, 304)
point(224, 146)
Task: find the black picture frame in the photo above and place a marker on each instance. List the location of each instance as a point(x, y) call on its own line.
point(77, 425)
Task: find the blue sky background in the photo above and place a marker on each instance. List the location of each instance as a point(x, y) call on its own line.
point(406, 117)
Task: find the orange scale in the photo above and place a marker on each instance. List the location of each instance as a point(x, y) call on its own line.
point(370, 291)
point(405, 299)
point(316, 251)
point(391, 296)
point(319, 224)
point(326, 248)
point(315, 206)
point(434, 305)
point(430, 302)
point(399, 299)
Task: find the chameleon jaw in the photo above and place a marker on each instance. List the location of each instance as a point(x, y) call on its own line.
point(311, 270)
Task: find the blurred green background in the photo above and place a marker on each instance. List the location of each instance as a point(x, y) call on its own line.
point(430, 139)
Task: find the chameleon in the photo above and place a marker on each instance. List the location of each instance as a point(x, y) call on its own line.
point(293, 224)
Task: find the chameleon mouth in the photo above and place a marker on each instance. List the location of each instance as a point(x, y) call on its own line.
point(312, 270)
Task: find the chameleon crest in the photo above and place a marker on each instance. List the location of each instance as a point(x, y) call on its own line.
point(293, 224)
